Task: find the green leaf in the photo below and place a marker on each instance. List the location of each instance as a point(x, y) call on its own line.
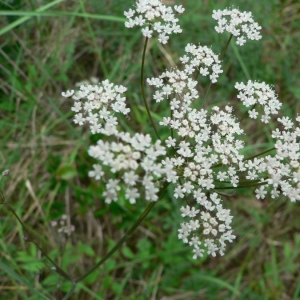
point(127, 252)
point(93, 277)
point(21, 280)
point(33, 266)
point(66, 172)
point(110, 264)
point(26, 17)
point(86, 249)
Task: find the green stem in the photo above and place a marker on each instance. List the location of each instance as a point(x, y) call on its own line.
point(125, 237)
point(246, 113)
point(108, 255)
point(248, 158)
point(259, 154)
point(71, 291)
point(245, 182)
point(221, 57)
point(240, 186)
point(226, 46)
point(172, 131)
point(143, 89)
point(31, 239)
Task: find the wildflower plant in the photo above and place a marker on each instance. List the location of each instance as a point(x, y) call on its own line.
point(203, 151)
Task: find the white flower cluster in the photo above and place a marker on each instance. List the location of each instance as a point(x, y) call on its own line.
point(135, 163)
point(156, 17)
point(213, 220)
point(205, 143)
point(254, 93)
point(204, 147)
point(177, 83)
point(63, 226)
point(283, 169)
point(97, 104)
point(239, 24)
point(202, 59)
point(208, 142)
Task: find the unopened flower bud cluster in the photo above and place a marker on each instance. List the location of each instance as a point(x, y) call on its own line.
point(63, 226)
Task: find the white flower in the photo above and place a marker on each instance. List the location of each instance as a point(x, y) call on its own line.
point(130, 178)
point(198, 252)
point(170, 142)
point(147, 32)
point(253, 114)
point(260, 193)
point(179, 8)
point(176, 83)
point(132, 195)
point(79, 119)
point(185, 211)
point(97, 173)
point(179, 192)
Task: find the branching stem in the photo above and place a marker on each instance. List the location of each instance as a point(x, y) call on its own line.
point(221, 57)
point(143, 90)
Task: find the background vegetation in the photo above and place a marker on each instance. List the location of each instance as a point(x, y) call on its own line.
point(48, 46)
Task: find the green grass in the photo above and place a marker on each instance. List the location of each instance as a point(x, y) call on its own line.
point(47, 48)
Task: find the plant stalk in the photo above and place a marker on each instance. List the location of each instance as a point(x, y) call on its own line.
point(143, 90)
point(221, 57)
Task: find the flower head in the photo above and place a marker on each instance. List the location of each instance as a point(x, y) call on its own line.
point(213, 224)
point(134, 161)
point(203, 59)
point(279, 173)
point(254, 94)
point(239, 24)
point(97, 105)
point(177, 86)
point(207, 151)
point(154, 16)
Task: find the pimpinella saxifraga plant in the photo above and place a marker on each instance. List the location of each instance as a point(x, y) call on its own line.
point(203, 150)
